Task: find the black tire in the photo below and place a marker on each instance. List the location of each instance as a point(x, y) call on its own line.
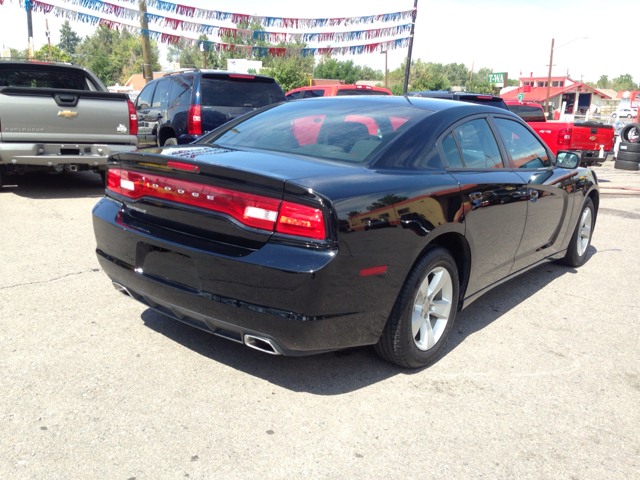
point(630, 147)
point(626, 165)
point(613, 115)
point(170, 142)
point(628, 156)
point(398, 344)
point(577, 250)
point(630, 133)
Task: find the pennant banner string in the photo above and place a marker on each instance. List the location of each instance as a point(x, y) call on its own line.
point(170, 39)
point(274, 37)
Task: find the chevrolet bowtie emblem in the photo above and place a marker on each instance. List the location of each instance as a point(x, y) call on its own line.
point(593, 139)
point(67, 113)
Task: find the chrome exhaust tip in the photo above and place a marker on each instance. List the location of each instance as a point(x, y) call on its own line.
point(122, 289)
point(263, 344)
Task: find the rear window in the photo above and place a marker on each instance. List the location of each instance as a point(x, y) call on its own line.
point(237, 92)
point(354, 91)
point(528, 113)
point(347, 132)
point(42, 79)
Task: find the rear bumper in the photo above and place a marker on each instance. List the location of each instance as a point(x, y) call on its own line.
point(302, 301)
point(50, 154)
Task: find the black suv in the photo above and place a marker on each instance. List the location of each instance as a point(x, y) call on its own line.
point(182, 106)
point(479, 98)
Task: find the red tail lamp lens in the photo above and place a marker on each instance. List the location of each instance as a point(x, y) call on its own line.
point(564, 136)
point(301, 221)
point(194, 122)
point(133, 118)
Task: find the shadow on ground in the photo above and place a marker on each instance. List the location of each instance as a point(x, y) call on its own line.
point(352, 369)
point(50, 185)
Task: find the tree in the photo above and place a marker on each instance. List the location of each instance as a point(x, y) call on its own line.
point(289, 72)
point(603, 82)
point(624, 82)
point(113, 55)
point(334, 69)
point(512, 82)
point(69, 40)
point(476, 86)
point(368, 73)
point(190, 55)
point(56, 53)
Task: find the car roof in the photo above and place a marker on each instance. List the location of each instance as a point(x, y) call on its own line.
point(196, 71)
point(433, 104)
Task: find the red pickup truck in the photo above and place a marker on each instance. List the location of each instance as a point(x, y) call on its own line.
point(588, 137)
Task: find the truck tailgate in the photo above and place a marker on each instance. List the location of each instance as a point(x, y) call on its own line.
point(591, 137)
point(56, 115)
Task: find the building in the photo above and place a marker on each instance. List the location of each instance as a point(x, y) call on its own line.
point(561, 89)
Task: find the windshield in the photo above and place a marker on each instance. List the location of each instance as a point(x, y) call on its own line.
point(336, 129)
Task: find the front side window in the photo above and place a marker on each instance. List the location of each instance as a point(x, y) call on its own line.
point(160, 96)
point(526, 150)
point(343, 131)
point(478, 145)
point(144, 99)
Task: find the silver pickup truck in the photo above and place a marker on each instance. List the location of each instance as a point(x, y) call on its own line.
point(60, 117)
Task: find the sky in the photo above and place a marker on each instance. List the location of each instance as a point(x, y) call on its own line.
point(512, 36)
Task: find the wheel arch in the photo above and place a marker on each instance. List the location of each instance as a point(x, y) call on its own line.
point(456, 243)
point(165, 133)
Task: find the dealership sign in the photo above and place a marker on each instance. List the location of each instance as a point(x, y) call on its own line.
point(498, 78)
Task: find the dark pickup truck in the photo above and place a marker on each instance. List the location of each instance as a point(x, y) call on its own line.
point(60, 117)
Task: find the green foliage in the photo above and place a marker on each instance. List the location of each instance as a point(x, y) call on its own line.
point(56, 54)
point(476, 86)
point(335, 69)
point(114, 56)
point(603, 82)
point(289, 72)
point(624, 82)
point(69, 40)
point(512, 82)
point(191, 56)
point(368, 73)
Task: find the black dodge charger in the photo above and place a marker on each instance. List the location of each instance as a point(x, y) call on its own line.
point(329, 223)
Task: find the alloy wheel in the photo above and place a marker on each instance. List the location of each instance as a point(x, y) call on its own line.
point(585, 231)
point(431, 308)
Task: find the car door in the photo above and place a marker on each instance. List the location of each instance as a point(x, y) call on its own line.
point(548, 190)
point(153, 117)
point(493, 195)
point(143, 105)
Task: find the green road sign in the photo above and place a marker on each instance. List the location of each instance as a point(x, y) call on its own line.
point(520, 96)
point(497, 78)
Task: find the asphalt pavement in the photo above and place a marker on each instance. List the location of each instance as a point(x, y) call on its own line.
point(540, 378)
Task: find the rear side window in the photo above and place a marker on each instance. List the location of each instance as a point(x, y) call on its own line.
point(51, 78)
point(323, 129)
point(526, 150)
point(354, 91)
point(478, 145)
point(451, 152)
point(529, 113)
point(160, 95)
point(180, 91)
point(236, 92)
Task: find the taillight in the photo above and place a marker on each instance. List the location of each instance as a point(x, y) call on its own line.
point(195, 120)
point(251, 210)
point(300, 220)
point(133, 118)
point(564, 136)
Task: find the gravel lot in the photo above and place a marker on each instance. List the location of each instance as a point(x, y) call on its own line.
point(540, 378)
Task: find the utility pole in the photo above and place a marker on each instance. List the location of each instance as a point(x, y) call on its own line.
point(29, 27)
point(46, 22)
point(473, 63)
point(407, 69)
point(546, 102)
point(385, 68)
point(147, 71)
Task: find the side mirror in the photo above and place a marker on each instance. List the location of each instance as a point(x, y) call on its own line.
point(567, 159)
point(143, 106)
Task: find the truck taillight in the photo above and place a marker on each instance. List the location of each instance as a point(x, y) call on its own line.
point(194, 124)
point(251, 210)
point(564, 136)
point(133, 118)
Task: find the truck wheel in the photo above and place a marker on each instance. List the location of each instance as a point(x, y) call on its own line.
point(626, 165)
point(170, 142)
point(630, 147)
point(628, 156)
point(630, 133)
point(581, 239)
point(424, 312)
